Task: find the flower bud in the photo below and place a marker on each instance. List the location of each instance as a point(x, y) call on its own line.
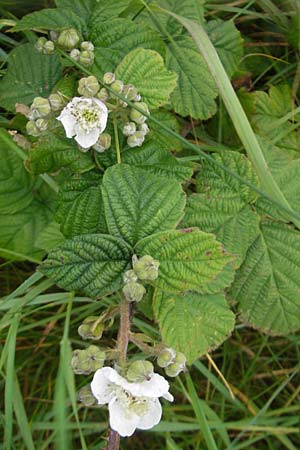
point(87, 45)
point(103, 94)
point(129, 276)
point(87, 361)
point(39, 45)
point(137, 98)
point(108, 78)
point(117, 86)
point(166, 357)
point(41, 106)
point(75, 54)
point(173, 370)
point(54, 35)
point(86, 58)
point(48, 48)
point(138, 117)
point(88, 86)
point(56, 102)
point(68, 39)
point(136, 140)
point(129, 129)
point(32, 129)
point(42, 124)
point(85, 396)
point(133, 291)
point(130, 92)
point(144, 129)
point(91, 328)
point(103, 143)
point(146, 268)
point(139, 371)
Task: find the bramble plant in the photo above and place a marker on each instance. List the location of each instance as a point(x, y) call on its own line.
point(127, 212)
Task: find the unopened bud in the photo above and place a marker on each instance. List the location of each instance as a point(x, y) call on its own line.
point(129, 276)
point(88, 86)
point(41, 106)
point(56, 102)
point(87, 45)
point(177, 366)
point(85, 396)
point(39, 45)
point(103, 94)
point(42, 124)
point(91, 328)
point(136, 140)
point(108, 78)
point(146, 268)
point(117, 86)
point(86, 58)
point(54, 35)
point(48, 48)
point(139, 371)
point(103, 143)
point(129, 129)
point(130, 92)
point(75, 54)
point(166, 357)
point(32, 129)
point(68, 39)
point(138, 117)
point(133, 291)
point(144, 128)
point(87, 361)
point(137, 98)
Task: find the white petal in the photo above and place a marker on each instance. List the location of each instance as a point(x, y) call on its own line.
point(68, 121)
point(85, 139)
point(121, 419)
point(152, 417)
point(101, 386)
point(103, 116)
point(168, 397)
point(157, 386)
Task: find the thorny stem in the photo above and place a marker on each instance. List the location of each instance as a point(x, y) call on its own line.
point(122, 344)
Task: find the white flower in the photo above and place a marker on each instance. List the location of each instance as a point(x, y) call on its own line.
point(131, 405)
point(84, 118)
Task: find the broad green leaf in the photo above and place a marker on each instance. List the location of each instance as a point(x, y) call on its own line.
point(82, 8)
point(192, 323)
point(267, 285)
point(94, 11)
point(161, 137)
point(30, 74)
point(196, 91)
point(92, 264)
point(16, 184)
point(189, 259)
point(50, 19)
point(52, 152)
point(80, 206)
point(115, 38)
point(145, 69)
point(228, 43)
point(50, 237)
point(138, 204)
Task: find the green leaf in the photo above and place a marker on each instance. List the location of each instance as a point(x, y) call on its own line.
point(80, 206)
point(228, 43)
point(52, 152)
point(191, 323)
point(50, 237)
point(92, 264)
point(138, 204)
point(268, 283)
point(189, 259)
point(82, 8)
point(15, 183)
point(115, 38)
point(50, 19)
point(92, 11)
point(30, 74)
point(145, 69)
point(195, 92)
point(163, 139)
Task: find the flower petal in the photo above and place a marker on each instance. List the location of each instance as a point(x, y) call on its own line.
point(157, 386)
point(85, 139)
point(168, 397)
point(103, 116)
point(68, 121)
point(101, 386)
point(121, 419)
point(152, 417)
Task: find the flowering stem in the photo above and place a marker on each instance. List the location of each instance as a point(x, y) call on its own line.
point(117, 140)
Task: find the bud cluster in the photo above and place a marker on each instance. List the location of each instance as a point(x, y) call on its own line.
point(42, 110)
point(144, 269)
point(88, 360)
point(173, 362)
point(68, 40)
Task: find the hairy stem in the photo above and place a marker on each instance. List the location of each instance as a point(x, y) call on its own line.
point(117, 143)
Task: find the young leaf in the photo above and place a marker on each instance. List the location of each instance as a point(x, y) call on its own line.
point(80, 206)
point(189, 259)
point(138, 204)
point(145, 69)
point(92, 264)
point(30, 74)
point(193, 324)
point(50, 237)
point(50, 19)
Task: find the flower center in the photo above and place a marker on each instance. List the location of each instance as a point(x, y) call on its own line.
point(137, 405)
point(89, 116)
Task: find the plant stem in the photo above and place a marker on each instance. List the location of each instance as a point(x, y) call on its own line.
point(117, 140)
